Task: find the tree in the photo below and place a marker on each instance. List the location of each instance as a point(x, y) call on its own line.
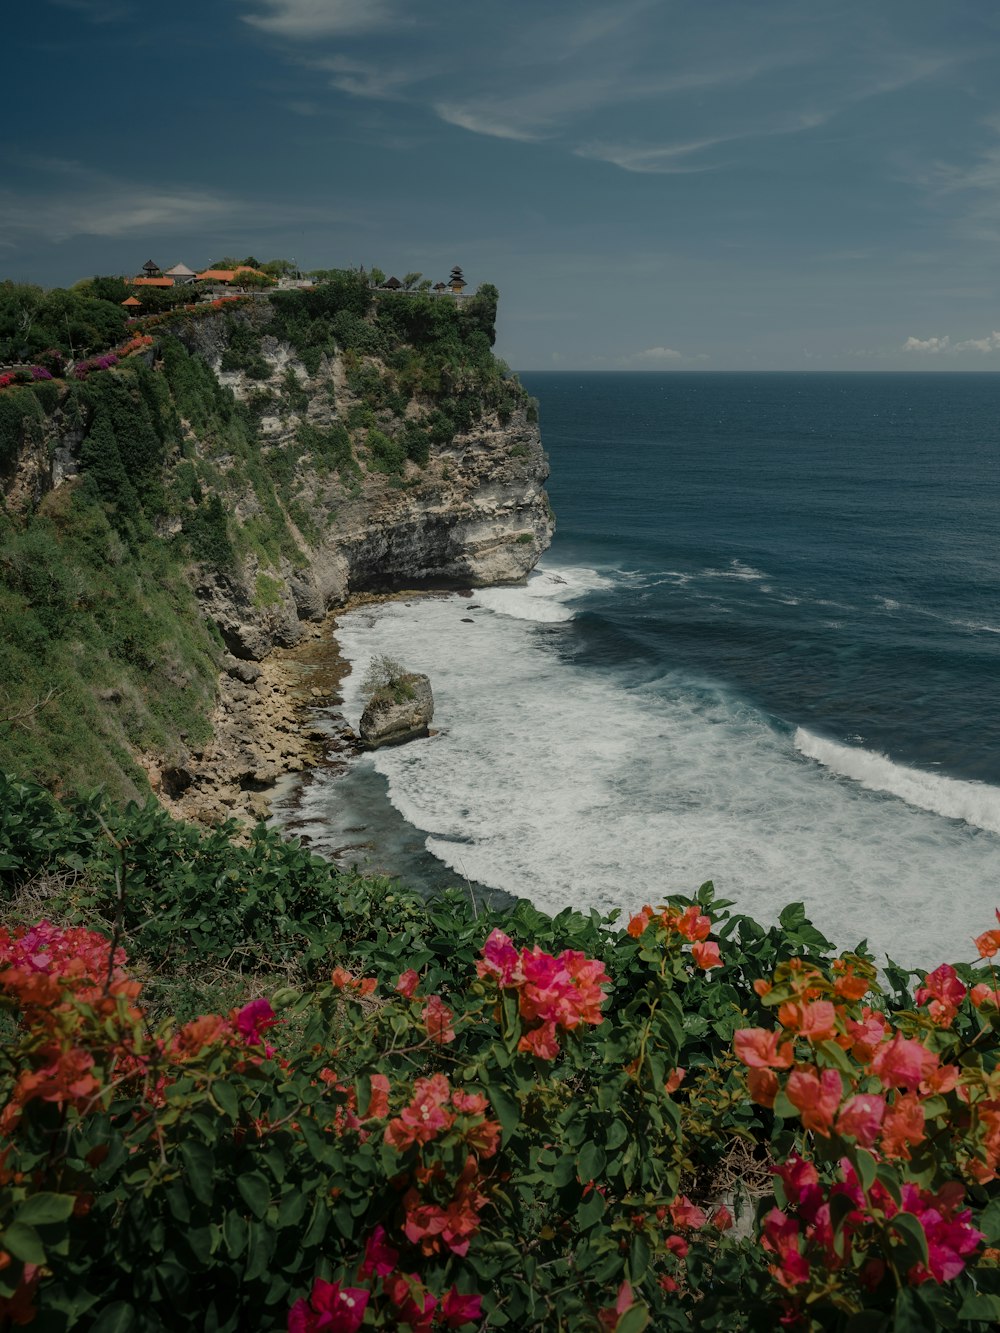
point(410, 281)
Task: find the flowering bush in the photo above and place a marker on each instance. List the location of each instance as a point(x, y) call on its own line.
point(449, 1129)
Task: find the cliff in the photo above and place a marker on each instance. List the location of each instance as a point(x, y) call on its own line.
point(173, 519)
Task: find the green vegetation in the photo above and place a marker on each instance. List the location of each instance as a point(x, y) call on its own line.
point(386, 680)
point(511, 1121)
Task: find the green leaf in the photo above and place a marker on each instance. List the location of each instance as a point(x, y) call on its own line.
point(634, 1320)
point(255, 1192)
point(507, 1108)
point(591, 1162)
point(980, 1305)
point(866, 1167)
point(226, 1097)
point(590, 1211)
point(120, 1317)
point(638, 1259)
point(23, 1243)
point(43, 1208)
point(913, 1237)
point(199, 1165)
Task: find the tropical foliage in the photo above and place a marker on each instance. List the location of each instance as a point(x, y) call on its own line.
point(438, 1119)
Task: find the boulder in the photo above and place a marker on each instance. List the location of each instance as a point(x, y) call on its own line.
point(398, 714)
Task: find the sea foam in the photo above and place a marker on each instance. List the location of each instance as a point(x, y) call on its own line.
point(977, 803)
point(572, 783)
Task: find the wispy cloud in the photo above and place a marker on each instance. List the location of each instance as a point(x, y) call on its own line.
point(75, 201)
point(303, 19)
point(482, 122)
point(658, 358)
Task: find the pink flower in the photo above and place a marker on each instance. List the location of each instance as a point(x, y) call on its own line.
point(436, 1018)
point(408, 983)
point(815, 1097)
point(683, 1213)
point(861, 1118)
point(540, 1042)
point(330, 1307)
point(254, 1019)
point(380, 1257)
point(425, 1117)
point(500, 960)
point(457, 1310)
point(706, 954)
point(904, 1063)
point(758, 1049)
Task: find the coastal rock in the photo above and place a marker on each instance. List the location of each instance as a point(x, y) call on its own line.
point(394, 716)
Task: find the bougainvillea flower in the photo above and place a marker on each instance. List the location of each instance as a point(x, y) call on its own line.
point(500, 960)
point(815, 1097)
point(763, 1086)
point(816, 1021)
point(706, 954)
point(902, 1127)
point(254, 1019)
point(942, 984)
point(758, 1049)
point(408, 983)
point(988, 943)
point(425, 1117)
point(541, 1042)
point(378, 1102)
point(608, 1318)
point(683, 1213)
point(330, 1307)
point(722, 1218)
point(861, 1118)
point(904, 1063)
point(436, 1018)
point(674, 1081)
point(380, 1257)
point(457, 1309)
point(639, 922)
point(693, 925)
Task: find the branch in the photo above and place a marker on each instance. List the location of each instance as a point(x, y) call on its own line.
point(13, 718)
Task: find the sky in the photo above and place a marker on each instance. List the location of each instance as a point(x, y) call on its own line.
point(651, 184)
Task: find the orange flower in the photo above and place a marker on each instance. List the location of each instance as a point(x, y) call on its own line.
point(816, 1097)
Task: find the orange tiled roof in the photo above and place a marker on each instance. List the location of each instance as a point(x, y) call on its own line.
point(131, 300)
point(217, 275)
point(152, 282)
point(245, 268)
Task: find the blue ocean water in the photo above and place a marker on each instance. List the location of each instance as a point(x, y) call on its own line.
point(764, 649)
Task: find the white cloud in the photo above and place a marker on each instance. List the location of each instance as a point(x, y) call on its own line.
point(935, 346)
point(306, 19)
point(991, 343)
point(930, 345)
point(659, 354)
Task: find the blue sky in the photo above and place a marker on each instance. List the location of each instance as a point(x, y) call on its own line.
point(652, 184)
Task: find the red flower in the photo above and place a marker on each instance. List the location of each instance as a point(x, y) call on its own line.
point(706, 954)
point(758, 1049)
point(436, 1018)
point(815, 1097)
point(457, 1310)
point(330, 1307)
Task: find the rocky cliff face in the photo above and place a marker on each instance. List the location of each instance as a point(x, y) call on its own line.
point(375, 445)
point(475, 513)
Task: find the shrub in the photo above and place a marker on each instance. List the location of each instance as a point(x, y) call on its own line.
point(386, 679)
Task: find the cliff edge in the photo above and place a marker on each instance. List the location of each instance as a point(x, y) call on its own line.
point(173, 517)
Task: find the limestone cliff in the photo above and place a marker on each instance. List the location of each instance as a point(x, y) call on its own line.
point(266, 461)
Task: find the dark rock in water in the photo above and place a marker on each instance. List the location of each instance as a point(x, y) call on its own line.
point(399, 713)
point(467, 620)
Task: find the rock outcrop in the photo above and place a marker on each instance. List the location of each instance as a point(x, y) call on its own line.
point(398, 714)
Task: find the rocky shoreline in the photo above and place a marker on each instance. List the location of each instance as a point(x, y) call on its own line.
point(273, 719)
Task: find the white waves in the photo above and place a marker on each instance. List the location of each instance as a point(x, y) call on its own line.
point(572, 785)
point(544, 598)
point(976, 803)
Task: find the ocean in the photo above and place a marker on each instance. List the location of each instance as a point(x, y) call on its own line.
point(763, 649)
